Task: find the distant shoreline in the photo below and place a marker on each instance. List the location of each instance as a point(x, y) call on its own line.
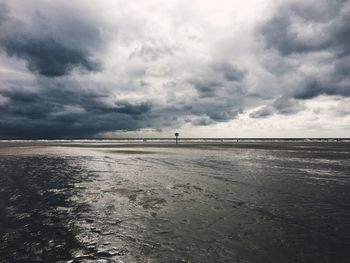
point(193, 140)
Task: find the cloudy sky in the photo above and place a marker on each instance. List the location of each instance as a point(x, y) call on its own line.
point(224, 68)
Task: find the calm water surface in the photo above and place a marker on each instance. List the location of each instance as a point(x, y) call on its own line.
point(240, 202)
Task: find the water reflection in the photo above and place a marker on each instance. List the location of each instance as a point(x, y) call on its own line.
point(36, 208)
point(191, 204)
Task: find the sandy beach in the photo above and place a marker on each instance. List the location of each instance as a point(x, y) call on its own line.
point(157, 202)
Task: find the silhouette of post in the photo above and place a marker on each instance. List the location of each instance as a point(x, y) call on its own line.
point(176, 137)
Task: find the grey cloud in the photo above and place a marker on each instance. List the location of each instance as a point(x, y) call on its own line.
point(166, 81)
point(152, 50)
point(56, 45)
point(207, 88)
point(4, 13)
point(218, 109)
point(225, 115)
point(48, 57)
point(25, 104)
point(68, 118)
point(311, 88)
point(220, 79)
point(202, 121)
point(282, 105)
point(264, 112)
point(220, 95)
point(20, 95)
point(128, 108)
point(136, 109)
point(45, 47)
point(229, 72)
point(300, 34)
point(342, 69)
point(54, 114)
point(288, 31)
point(285, 105)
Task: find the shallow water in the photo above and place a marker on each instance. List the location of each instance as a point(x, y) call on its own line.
point(215, 202)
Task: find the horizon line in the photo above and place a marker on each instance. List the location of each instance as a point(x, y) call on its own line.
point(180, 138)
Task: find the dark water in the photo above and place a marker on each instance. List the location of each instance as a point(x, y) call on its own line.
point(240, 202)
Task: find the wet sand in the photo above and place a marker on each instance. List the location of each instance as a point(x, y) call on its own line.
point(157, 202)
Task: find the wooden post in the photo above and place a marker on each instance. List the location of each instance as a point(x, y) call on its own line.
point(176, 135)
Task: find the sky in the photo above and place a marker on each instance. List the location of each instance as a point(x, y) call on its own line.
point(127, 68)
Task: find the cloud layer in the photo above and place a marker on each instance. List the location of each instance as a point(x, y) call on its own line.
point(82, 70)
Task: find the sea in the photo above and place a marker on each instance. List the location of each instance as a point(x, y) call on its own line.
point(213, 200)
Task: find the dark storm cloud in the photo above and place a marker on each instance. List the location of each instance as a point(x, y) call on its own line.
point(220, 79)
point(46, 50)
point(282, 105)
point(58, 112)
point(25, 105)
point(313, 88)
point(207, 88)
point(224, 115)
point(220, 92)
point(55, 45)
point(123, 107)
point(153, 74)
point(48, 57)
point(299, 27)
point(20, 95)
point(216, 110)
point(136, 109)
point(285, 105)
point(264, 112)
point(305, 32)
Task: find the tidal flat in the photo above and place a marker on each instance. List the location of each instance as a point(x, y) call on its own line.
point(243, 202)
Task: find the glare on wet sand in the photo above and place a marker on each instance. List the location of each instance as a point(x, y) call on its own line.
point(213, 202)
